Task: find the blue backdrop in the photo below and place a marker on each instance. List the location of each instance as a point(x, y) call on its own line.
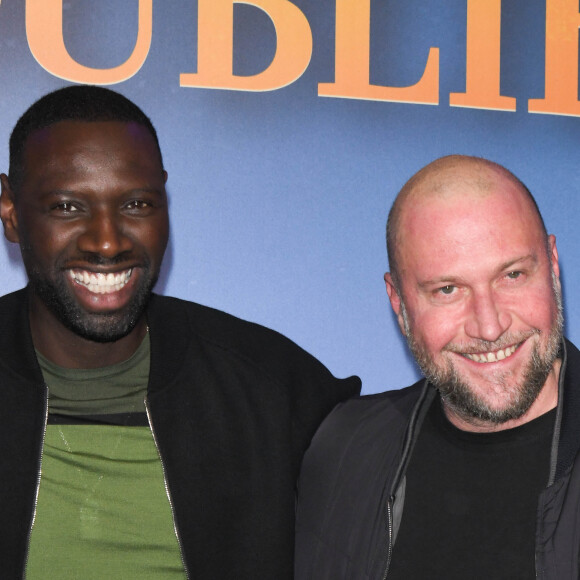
point(279, 198)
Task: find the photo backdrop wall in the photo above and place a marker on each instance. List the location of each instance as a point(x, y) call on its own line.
point(287, 128)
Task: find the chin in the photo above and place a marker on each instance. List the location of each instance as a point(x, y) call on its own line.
point(110, 331)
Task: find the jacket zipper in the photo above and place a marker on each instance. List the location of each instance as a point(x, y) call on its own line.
point(390, 530)
point(418, 413)
point(38, 477)
point(167, 491)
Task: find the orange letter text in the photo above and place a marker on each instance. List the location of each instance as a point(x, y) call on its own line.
point(352, 62)
point(44, 33)
point(561, 92)
point(215, 47)
point(482, 78)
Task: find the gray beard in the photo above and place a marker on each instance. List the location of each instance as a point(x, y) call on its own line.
point(459, 397)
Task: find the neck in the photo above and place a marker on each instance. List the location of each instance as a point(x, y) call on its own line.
point(67, 349)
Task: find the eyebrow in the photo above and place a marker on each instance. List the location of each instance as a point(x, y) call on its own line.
point(73, 192)
point(528, 258)
point(445, 280)
point(452, 280)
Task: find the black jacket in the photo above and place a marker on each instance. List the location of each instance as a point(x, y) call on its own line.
point(232, 405)
point(351, 488)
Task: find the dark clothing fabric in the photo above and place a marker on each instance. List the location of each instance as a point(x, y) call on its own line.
point(232, 406)
point(352, 486)
point(471, 498)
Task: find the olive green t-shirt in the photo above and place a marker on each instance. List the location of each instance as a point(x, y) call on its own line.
point(102, 509)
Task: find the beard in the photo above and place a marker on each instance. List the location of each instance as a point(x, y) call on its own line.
point(55, 294)
point(463, 399)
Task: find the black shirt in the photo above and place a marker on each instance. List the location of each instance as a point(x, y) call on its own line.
point(471, 499)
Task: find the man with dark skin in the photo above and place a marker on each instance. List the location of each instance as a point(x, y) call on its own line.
point(142, 436)
point(89, 189)
point(471, 472)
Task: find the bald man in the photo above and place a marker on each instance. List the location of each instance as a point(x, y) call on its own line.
point(471, 473)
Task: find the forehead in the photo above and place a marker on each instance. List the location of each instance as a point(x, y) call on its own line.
point(464, 230)
point(73, 144)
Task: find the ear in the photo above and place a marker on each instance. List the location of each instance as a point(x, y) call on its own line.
point(553, 255)
point(395, 300)
point(8, 211)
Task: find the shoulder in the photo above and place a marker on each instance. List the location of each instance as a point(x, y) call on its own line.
point(225, 331)
point(13, 301)
point(13, 316)
point(572, 359)
point(16, 348)
point(242, 342)
point(211, 323)
point(380, 411)
point(363, 431)
point(354, 426)
point(353, 456)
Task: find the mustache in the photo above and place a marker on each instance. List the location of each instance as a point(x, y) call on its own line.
point(481, 345)
point(98, 260)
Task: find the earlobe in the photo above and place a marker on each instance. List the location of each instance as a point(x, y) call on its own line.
point(395, 300)
point(8, 211)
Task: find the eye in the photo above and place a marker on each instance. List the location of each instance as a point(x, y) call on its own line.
point(514, 275)
point(65, 207)
point(139, 208)
point(447, 294)
point(137, 204)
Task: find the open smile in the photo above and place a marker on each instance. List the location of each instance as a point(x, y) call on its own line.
point(494, 356)
point(99, 282)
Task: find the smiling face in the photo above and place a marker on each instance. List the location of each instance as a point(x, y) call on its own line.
point(91, 220)
point(478, 296)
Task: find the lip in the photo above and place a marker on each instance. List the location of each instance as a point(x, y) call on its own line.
point(101, 282)
point(493, 356)
point(103, 291)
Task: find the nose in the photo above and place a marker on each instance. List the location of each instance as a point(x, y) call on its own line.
point(104, 235)
point(487, 320)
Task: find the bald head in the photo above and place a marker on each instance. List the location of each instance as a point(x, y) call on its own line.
point(475, 280)
point(454, 176)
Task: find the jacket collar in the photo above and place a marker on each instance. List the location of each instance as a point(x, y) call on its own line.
point(566, 437)
point(16, 347)
point(566, 442)
point(169, 339)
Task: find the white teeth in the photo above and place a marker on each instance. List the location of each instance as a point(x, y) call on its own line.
point(99, 283)
point(487, 357)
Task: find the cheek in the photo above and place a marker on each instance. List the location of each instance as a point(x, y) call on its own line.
point(536, 309)
point(46, 248)
point(153, 238)
point(435, 328)
point(43, 231)
point(535, 304)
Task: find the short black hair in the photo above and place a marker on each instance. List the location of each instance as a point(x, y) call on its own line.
point(84, 103)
